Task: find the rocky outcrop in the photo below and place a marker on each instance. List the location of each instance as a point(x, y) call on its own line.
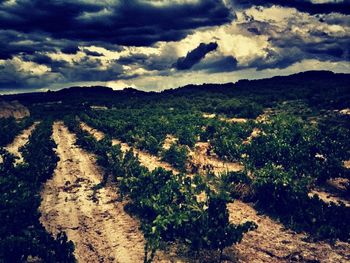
point(13, 109)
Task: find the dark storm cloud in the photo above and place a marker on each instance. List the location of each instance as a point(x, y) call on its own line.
point(14, 43)
point(42, 59)
point(326, 47)
point(156, 62)
point(195, 56)
point(91, 69)
point(132, 22)
point(223, 64)
point(133, 59)
point(12, 78)
point(92, 53)
point(277, 59)
point(70, 50)
point(35, 33)
point(85, 69)
point(342, 7)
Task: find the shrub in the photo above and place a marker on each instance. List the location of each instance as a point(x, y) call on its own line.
point(176, 156)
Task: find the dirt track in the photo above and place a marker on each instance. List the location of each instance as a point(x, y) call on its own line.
point(271, 242)
point(203, 161)
point(329, 197)
point(98, 226)
point(20, 141)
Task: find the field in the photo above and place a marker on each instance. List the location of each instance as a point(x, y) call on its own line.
point(257, 171)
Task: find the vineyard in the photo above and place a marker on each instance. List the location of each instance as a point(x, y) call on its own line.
point(257, 171)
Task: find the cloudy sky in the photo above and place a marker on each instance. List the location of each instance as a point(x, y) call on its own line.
point(159, 44)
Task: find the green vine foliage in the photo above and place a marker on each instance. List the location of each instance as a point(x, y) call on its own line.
point(285, 161)
point(10, 128)
point(177, 156)
point(166, 203)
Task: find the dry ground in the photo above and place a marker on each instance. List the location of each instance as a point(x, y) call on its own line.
point(98, 225)
point(204, 162)
point(271, 242)
point(20, 141)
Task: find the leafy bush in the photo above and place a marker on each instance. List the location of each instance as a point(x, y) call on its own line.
point(10, 128)
point(176, 155)
point(287, 158)
point(284, 194)
point(274, 187)
point(227, 140)
point(149, 143)
point(240, 108)
point(298, 147)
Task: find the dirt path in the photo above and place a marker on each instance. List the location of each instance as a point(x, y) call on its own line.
point(151, 162)
point(20, 141)
point(334, 190)
point(271, 242)
point(98, 225)
point(97, 134)
point(205, 162)
point(328, 197)
point(347, 164)
point(225, 119)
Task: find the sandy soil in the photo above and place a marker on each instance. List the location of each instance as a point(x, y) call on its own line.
point(151, 162)
point(345, 111)
point(209, 115)
point(255, 133)
point(338, 183)
point(97, 224)
point(20, 141)
point(97, 134)
point(333, 191)
point(205, 162)
point(271, 242)
point(234, 120)
point(329, 197)
point(229, 120)
point(265, 115)
point(169, 140)
point(347, 164)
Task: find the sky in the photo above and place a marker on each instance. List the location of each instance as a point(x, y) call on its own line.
point(160, 44)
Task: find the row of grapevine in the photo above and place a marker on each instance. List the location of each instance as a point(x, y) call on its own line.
point(10, 128)
point(23, 238)
point(287, 159)
point(147, 130)
point(166, 204)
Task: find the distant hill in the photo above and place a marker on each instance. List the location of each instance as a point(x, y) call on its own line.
point(318, 87)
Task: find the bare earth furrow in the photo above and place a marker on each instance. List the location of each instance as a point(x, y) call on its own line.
point(271, 242)
point(20, 141)
point(100, 230)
